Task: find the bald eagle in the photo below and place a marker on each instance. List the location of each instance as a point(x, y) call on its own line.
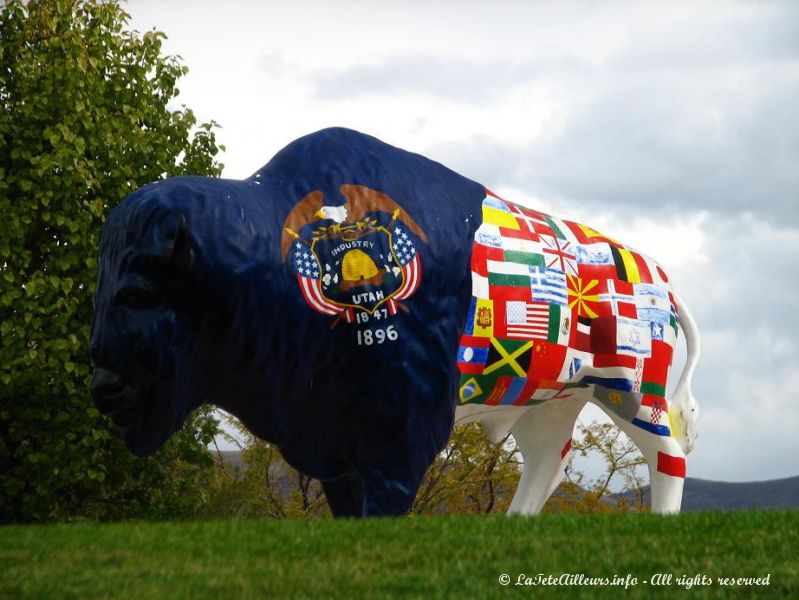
point(360, 201)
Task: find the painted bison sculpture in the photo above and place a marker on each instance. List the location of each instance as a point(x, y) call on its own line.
point(350, 301)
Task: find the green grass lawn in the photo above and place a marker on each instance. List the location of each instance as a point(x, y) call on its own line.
point(444, 557)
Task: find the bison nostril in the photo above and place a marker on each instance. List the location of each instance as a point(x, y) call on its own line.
point(112, 392)
point(105, 378)
point(112, 395)
point(107, 385)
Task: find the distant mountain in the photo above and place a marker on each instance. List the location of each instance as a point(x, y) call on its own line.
point(230, 457)
point(702, 494)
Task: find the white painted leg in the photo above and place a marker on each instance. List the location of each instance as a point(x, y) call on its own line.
point(665, 461)
point(565, 457)
point(541, 434)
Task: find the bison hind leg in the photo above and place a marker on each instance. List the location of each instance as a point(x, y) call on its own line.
point(543, 435)
point(665, 461)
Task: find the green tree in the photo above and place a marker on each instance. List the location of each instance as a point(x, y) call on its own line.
point(623, 463)
point(471, 475)
point(87, 115)
point(260, 483)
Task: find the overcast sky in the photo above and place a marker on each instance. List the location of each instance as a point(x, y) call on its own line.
point(671, 126)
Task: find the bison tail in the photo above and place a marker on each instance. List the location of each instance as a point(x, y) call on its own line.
point(684, 407)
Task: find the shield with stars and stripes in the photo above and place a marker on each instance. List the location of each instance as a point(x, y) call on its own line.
point(358, 267)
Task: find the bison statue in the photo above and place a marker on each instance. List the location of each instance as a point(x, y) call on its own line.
point(350, 301)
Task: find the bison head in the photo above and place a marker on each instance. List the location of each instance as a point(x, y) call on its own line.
point(141, 343)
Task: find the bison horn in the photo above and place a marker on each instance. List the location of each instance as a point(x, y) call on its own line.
point(180, 254)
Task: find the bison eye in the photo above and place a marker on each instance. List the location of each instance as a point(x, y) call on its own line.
point(136, 298)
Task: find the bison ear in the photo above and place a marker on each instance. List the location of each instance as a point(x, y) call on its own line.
point(180, 254)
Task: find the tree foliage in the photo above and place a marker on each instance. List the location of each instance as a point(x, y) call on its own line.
point(623, 463)
point(471, 475)
point(87, 115)
point(261, 483)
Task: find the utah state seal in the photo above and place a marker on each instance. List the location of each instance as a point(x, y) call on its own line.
point(357, 261)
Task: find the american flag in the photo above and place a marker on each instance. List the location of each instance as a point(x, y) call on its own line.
point(527, 320)
point(305, 262)
point(308, 276)
point(409, 260)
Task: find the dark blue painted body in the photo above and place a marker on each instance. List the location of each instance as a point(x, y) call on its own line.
point(235, 330)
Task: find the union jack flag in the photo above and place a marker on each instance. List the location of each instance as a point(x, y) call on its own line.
point(559, 255)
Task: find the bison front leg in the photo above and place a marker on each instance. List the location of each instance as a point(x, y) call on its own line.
point(543, 435)
point(388, 493)
point(345, 496)
point(665, 461)
point(372, 494)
